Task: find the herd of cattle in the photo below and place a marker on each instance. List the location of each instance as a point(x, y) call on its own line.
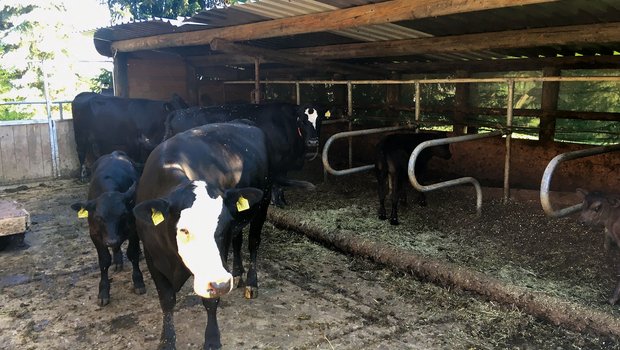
point(185, 181)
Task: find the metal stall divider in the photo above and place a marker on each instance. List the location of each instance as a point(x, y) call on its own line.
point(548, 174)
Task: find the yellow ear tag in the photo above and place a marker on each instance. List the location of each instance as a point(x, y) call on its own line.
point(82, 214)
point(157, 217)
point(328, 114)
point(242, 204)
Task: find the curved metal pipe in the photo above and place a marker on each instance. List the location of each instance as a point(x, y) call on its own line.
point(341, 135)
point(548, 174)
point(463, 180)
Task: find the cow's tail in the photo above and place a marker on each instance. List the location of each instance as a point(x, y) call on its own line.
point(284, 182)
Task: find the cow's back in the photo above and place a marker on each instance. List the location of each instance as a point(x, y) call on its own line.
point(112, 172)
point(224, 155)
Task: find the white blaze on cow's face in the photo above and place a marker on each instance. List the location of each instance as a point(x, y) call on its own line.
point(197, 246)
point(312, 115)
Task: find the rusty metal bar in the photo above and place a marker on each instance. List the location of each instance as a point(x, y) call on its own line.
point(328, 168)
point(463, 180)
point(417, 101)
point(545, 184)
point(435, 81)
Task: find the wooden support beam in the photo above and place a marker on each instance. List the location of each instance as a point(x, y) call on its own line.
point(119, 76)
point(293, 59)
point(385, 12)
point(549, 105)
point(461, 104)
point(567, 35)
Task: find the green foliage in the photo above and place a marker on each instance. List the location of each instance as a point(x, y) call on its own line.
point(146, 9)
point(101, 82)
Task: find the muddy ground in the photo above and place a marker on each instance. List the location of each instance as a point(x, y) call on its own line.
point(310, 296)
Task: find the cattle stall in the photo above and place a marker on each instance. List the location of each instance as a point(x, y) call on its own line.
point(515, 84)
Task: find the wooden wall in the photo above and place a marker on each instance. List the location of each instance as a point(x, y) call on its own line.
point(158, 79)
point(25, 152)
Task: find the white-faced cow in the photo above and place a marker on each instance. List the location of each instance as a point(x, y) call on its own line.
point(290, 130)
point(109, 208)
point(391, 162)
point(603, 209)
point(103, 124)
point(196, 193)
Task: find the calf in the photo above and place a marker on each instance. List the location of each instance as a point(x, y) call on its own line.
point(198, 190)
point(601, 209)
point(110, 221)
point(391, 163)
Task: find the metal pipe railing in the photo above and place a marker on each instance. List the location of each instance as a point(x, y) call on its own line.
point(328, 168)
point(545, 184)
point(463, 180)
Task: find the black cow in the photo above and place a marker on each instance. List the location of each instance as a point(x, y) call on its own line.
point(290, 131)
point(198, 190)
point(109, 208)
point(392, 161)
point(103, 124)
point(603, 209)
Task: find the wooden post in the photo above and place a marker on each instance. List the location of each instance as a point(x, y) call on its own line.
point(549, 105)
point(192, 84)
point(461, 105)
point(256, 80)
point(119, 75)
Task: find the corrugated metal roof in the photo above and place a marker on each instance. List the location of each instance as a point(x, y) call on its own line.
point(562, 13)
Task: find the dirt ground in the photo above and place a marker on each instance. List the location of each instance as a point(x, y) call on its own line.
point(311, 297)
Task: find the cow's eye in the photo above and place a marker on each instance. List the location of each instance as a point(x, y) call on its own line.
point(184, 231)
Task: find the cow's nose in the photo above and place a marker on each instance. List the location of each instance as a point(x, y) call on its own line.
point(112, 243)
point(313, 142)
point(219, 288)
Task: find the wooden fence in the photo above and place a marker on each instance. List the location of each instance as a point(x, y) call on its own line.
point(26, 151)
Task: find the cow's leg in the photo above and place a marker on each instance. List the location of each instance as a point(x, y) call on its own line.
point(133, 254)
point(616, 294)
point(212, 331)
point(237, 270)
point(277, 196)
point(395, 181)
point(167, 300)
point(105, 260)
point(256, 226)
point(381, 176)
point(117, 254)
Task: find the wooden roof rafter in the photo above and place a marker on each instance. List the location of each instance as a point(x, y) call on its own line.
point(385, 12)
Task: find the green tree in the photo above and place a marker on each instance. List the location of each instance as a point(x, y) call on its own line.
point(36, 42)
point(146, 9)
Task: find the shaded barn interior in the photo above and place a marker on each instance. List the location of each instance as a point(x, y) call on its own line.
point(213, 57)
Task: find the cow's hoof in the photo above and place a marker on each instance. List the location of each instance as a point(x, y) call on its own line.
point(394, 221)
point(212, 346)
point(139, 290)
point(118, 267)
point(612, 301)
point(250, 292)
point(103, 301)
point(237, 282)
point(166, 346)
point(382, 217)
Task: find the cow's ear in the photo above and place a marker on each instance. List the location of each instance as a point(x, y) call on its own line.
point(614, 202)
point(83, 208)
point(241, 199)
point(128, 195)
point(152, 212)
point(581, 193)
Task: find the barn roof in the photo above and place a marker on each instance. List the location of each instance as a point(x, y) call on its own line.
point(395, 34)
